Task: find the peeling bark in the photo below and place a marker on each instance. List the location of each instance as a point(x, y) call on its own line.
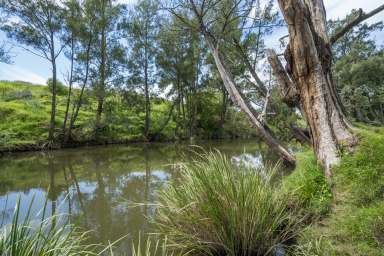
point(309, 60)
point(287, 87)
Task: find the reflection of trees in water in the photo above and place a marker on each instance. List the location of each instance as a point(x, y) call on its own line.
point(101, 182)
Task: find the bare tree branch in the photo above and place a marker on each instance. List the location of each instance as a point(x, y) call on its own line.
point(361, 16)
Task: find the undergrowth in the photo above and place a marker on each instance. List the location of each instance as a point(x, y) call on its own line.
point(354, 225)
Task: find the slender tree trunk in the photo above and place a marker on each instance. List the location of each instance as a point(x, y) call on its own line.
point(85, 81)
point(99, 111)
point(102, 69)
point(146, 85)
point(224, 104)
point(147, 99)
point(54, 85)
point(382, 113)
point(309, 60)
point(65, 134)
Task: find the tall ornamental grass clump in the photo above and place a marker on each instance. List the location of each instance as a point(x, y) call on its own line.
point(218, 208)
point(28, 237)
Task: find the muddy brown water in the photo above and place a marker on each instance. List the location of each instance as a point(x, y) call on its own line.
point(101, 188)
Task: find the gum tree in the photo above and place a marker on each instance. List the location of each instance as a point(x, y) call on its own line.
point(306, 82)
point(143, 28)
point(36, 25)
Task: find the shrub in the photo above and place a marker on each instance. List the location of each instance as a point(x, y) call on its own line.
point(218, 208)
point(61, 89)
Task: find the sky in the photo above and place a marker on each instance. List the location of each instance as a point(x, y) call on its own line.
point(30, 68)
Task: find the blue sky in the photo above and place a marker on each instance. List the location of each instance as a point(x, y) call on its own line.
point(28, 67)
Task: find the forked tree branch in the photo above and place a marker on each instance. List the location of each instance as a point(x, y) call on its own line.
point(361, 16)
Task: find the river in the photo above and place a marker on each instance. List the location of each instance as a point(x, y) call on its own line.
point(110, 190)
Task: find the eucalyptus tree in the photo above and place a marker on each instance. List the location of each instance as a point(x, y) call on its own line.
point(358, 40)
point(86, 31)
point(307, 79)
point(143, 28)
point(179, 62)
point(5, 56)
point(37, 25)
point(218, 21)
point(72, 30)
point(108, 53)
point(358, 64)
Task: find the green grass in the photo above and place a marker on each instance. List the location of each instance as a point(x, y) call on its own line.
point(218, 208)
point(307, 186)
point(25, 114)
point(26, 237)
point(354, 224)
point(152, 246)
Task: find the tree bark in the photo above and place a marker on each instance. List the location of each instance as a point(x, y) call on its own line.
point(309, 60)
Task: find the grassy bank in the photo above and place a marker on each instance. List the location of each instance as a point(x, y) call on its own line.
point(351, 221)
point(221, 209)
point(25, 113)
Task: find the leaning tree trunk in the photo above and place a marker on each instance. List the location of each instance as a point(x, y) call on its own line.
point(246, 107)
point(308, 69)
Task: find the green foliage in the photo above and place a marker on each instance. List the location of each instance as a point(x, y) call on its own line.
point(359, 70)
point(308, 186)
point(217, 208)
point(61, 89)
point(26, 119)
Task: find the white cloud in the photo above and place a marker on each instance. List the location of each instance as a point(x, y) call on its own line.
point(12, 72)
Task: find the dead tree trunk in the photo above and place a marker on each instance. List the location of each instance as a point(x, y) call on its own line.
point(308, 72)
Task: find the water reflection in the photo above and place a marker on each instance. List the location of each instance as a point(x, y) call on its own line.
point(95, 186)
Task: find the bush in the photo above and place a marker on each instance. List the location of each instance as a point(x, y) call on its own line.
point(61, 89)
point(222, 209)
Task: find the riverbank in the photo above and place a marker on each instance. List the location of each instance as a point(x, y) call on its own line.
point(25, 114)
point(350, 220)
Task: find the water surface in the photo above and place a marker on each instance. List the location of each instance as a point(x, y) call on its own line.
point(97, 186)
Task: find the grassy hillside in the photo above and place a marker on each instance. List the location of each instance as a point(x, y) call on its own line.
point(25, 112)
point(351, 222)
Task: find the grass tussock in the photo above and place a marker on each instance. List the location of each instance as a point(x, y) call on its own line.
point(45, 237)
point(221, 209)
